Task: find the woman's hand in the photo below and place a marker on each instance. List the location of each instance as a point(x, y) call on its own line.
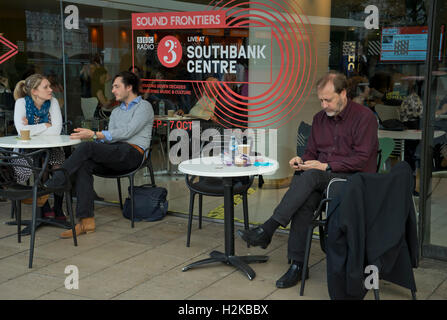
point(25, 121)
point(47, 125)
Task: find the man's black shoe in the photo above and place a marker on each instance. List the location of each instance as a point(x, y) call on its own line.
point(291, 277)
point(255, 237)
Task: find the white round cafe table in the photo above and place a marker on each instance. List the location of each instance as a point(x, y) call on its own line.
point(214, 167)
point(38, 142)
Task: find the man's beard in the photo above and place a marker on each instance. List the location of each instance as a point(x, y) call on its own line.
point(336, 112)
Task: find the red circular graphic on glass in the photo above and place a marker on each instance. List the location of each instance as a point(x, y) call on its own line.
point(169, 51)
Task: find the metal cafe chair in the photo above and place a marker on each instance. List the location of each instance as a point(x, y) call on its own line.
point(145, 162)
point(319, 219)
point(10, 189)
point(333, 191)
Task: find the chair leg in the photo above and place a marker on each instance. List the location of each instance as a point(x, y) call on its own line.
point(310, 230)
point(17, 207)
point(322, 238)
point(151, 172)
point(376, 294)
point(13, 209)
point(191, 211)
point(69, 206)
point(118, 180)
point(33, 229)
point(200, 211)
point(162, 153)
point(245, 209)
point(132, 205)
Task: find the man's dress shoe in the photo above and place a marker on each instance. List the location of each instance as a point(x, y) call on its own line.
point(255, 237)
point(291, 277)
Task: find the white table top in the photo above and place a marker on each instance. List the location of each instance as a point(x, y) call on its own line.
point(38, 142)
point(406, 134)
point(214, 167)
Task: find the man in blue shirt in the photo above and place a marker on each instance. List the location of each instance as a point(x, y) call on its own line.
point(118, 149)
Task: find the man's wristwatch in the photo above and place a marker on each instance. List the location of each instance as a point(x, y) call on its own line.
point(95, 137)
point(328, 168)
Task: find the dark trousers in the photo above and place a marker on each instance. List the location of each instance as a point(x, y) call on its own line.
point(92, 157)
point(298, 205)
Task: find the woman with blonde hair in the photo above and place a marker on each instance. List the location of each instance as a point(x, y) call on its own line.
point(38, 111)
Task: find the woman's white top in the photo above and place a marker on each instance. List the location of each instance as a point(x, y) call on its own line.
point(38, 129)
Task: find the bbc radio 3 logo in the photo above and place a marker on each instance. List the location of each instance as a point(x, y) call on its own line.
point(145, 43)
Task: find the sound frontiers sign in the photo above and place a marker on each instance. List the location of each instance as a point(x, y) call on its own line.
point(201, 59)
point(182, 56)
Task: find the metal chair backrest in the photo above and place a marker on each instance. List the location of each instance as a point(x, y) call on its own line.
point(386, 146)
point(334, 190)
point(88, 106)
point(303, 135)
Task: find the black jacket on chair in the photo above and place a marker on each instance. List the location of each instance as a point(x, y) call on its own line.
point(372, 223)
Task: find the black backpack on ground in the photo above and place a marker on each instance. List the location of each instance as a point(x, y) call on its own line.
point(150, 203)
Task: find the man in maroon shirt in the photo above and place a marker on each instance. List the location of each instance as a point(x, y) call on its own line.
point(343, 141)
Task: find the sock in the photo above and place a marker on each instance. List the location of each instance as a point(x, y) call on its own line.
point(270, 226)
point(58, 200)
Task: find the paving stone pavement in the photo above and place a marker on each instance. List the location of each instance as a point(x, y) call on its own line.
point(118, 262)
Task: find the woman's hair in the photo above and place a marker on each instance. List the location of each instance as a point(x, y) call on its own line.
point(24, 87)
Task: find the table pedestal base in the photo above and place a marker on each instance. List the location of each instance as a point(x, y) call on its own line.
point(239, 262)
